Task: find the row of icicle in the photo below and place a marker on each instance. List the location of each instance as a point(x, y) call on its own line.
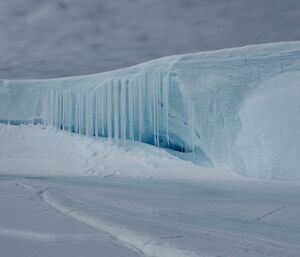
point(121, 109)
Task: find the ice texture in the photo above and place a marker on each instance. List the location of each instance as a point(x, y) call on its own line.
point(236, 108)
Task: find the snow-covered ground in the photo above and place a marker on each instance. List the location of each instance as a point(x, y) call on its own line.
point(64, 194)
point(91, 216)
point(44, 151)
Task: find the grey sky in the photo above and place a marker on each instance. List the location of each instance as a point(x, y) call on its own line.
point(53, 38)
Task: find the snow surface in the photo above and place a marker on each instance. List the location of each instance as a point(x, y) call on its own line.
point(216, 104)
point(28, 227)
point(43, 151)
point(92, 216)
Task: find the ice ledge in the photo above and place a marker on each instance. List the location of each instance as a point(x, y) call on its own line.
point(190, 102)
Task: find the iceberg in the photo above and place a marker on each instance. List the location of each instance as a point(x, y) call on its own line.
point(236, 108)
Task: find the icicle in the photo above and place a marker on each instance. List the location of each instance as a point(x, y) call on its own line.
point(141, 88)
point(130, 109)
point(61, 107)
point(65, 110)
point(81, 112)
point(72, 110)
point(50, 111)
point(76, 112)
point(123, 109)
point(91, 113)
point(79, 96)
point(109, 89)
point(69, 111)
point(62, 110)
point(149, 99)
point(158, 98)
point(96, 118)
point(154, 107)
point(87, 114)
point(104, 111)
point(166, 105)
point(57, 110)
point(53, 108)
point(101, 103)
point(116, 110)
point(86, 121)
point(58, 121)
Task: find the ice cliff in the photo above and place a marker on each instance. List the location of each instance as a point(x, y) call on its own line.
point(236, 108)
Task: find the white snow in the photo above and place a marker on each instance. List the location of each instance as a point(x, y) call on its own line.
point(43, 151)
point(268, 142)
point(28, 227)
point(92, 216)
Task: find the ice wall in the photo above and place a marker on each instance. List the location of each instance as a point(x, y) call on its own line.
point(208, 103)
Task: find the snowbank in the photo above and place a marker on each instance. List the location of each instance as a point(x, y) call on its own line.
point(44, 151)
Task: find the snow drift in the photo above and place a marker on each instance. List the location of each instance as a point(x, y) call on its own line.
point(235, 108)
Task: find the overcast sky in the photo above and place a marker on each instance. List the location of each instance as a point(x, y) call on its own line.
point(54, 38)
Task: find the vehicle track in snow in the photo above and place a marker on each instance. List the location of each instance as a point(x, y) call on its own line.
point(150, 233)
